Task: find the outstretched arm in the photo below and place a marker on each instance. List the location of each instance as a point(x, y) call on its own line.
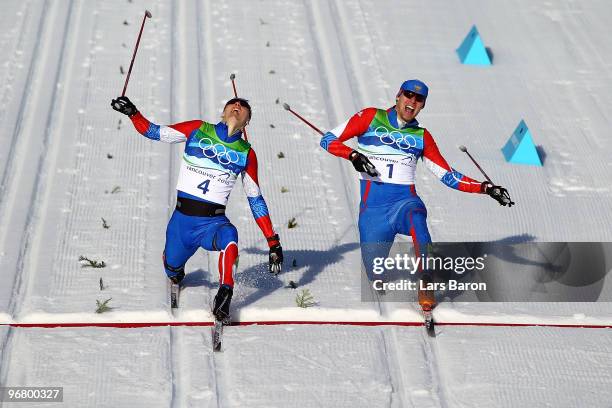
point(256, 201)
point(437, 165)
point(333, 141)
point(176, 133)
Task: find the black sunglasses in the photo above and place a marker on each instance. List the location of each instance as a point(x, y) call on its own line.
point(416, 96)
point(243, 102)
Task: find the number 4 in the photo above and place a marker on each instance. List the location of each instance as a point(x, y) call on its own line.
point(204, 186)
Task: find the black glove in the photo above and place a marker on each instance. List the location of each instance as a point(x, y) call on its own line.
point(362, 164)
point(276, 256)
point(498, 193)
point(124, 105)
point(276, 259)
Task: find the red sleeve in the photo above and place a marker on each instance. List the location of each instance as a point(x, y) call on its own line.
point(187, 127)
point(436, 163)
point(251, 166)
point(144, 126)
point(140, 123)
point(355, 126)
point(431, 151)
point(250, 182)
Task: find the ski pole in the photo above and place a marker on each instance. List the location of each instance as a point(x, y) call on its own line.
point(464, 150)
point(146, 15)
point(501, 191)
point(232, 78)
point(287, 107)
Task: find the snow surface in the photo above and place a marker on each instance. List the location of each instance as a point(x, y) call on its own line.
point(62, 65)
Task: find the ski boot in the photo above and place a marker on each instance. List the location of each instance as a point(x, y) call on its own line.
point(427, 299)
point(178, 278)
point(221, 308)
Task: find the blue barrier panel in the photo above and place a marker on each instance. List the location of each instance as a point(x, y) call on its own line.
point(472, 51)
point(520, 147)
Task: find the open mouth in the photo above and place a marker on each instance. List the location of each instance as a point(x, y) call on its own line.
point(409, 109)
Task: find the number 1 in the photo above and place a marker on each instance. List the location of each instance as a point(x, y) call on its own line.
point(390, 166)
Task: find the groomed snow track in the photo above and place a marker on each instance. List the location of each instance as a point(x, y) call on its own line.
point(67, 161)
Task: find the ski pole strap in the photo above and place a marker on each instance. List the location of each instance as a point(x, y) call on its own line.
point(197, 208)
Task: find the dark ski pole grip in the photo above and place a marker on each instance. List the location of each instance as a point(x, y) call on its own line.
point(127, 79)
point(232, 78)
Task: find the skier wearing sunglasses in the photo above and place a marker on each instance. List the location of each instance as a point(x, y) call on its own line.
point(214, 156)
point(389, 144)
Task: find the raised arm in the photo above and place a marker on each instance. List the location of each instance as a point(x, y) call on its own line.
point(176, 133)
point(437, 165)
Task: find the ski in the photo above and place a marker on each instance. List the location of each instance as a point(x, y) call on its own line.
point(217, 333)
point(221, 312)
point(429, 323)
point(174, 295)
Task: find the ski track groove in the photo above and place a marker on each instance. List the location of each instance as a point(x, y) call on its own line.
point(429, 347)
point(23, 278)
point(12, 63)
point(389, 342)
point(336, 7)
point(215, 370)
point(175, 355)
point(5, 182)
point(44, 171)
point(390, 348)
point(217, 359)
point(21, 112)
point(8, 79)
point(180, 97)
point(355, 74)
point(347, 181)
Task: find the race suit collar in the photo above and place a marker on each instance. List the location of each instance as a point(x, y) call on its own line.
point(221, 129)
point(397, 122)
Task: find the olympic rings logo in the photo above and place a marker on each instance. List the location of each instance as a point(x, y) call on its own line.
point(404, 141)
point(222, 153)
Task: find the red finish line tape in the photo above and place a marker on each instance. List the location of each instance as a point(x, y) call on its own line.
point(133, 325)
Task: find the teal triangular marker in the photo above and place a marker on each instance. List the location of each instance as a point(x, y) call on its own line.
point(520, 148)
point(472, 51)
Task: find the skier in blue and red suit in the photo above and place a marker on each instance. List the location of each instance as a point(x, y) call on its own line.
point(214, 156)
point(389, 144)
